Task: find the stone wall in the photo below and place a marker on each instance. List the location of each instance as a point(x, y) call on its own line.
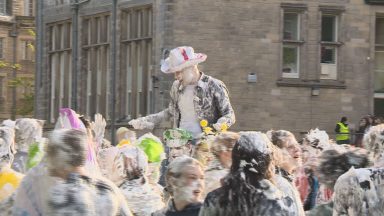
point(245, 36)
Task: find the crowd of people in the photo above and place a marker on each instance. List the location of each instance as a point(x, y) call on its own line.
point(197, 167)
point(237, 173)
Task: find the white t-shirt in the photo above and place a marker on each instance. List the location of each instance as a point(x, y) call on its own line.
point(189, 120)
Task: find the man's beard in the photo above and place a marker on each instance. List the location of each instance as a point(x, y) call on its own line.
point(189, 76)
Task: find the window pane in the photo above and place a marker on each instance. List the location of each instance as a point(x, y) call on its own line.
point(290, 56)
point(328, 28)
point(380, 30)
point(136, 62)
point(2, 6)
point(379, 107)
point(30, 7)
point(328, 55)
point(1, 48)
point(379, 59)
point(291, 26)
point(379, 81)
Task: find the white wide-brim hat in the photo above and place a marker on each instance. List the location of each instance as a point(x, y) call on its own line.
point(180, 58)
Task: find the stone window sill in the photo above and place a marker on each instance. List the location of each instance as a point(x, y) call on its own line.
point(331, 84)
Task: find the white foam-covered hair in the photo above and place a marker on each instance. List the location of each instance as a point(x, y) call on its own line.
point(7, 147)
point(318, 139)
point(66, 149)
point(279, 137)
point(9, 123)
point(145, 136)
point(373, 141)
point(28, 130)
point(135, 161)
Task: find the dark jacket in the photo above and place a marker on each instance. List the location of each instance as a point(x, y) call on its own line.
point(170, 210)
point(268, 200)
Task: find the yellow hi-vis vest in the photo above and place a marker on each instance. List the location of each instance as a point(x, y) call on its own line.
point(344, 132)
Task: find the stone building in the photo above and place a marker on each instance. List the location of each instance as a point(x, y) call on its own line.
point(16, 57)
point(287, 64)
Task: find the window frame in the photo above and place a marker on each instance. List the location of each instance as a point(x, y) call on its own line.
point(3, 11)
point(299, 42)
point(59, 67)
point(29, 7)
point(27, 53)
point(2, 39)
point(136, 41)
point(96, 45)
point(331, 71)
point(378, 48)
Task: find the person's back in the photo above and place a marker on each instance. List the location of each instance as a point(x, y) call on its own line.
point(247, 190)
point(360, 192)
point(265, 200)
point(142, 200)
point(82, 195)
point(75, 191)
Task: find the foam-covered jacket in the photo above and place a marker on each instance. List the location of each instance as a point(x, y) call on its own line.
point(267, 200)
point(81, 195)
point(211, 102)
point(142, 200)
point(360, 192)
point(284, 182)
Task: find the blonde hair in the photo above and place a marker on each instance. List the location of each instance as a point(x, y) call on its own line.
point(224, 142)
point(176, 168)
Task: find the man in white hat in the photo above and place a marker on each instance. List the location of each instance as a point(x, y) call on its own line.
point(194, 96)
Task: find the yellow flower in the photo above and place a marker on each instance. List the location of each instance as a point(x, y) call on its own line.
point(207, 130)
point(123, 143)
point(203, 123)
point(223, 127)
point(9, 181)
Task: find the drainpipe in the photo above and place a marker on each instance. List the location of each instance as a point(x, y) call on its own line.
point(75, 4)
point(14, 35)
point(113, 78)
point(39, 53)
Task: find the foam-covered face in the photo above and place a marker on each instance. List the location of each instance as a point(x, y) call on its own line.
point(293, 148)
point(288, 163)
point(27, 132)
point(187, 76)
point(189, 186)
point(7, 136)
point(175, 152)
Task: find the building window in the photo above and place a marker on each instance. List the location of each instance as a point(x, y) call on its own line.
point(27, 50)
point(59, 67)
point(291, 45)
point(379, 55)
point(29, 7)
point(6, 7)
point(96, 69)
point(2, 79)
point(329, 46)
point(1, 48)
point(2, 93)
point(3, 7)
point(136, 58)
